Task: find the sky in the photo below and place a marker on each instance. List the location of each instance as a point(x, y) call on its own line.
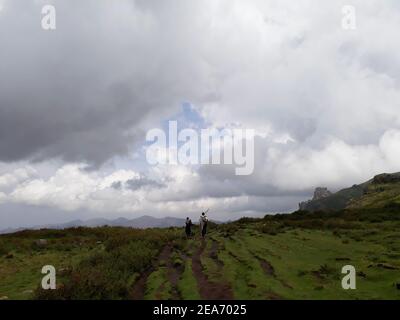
point(76, 103)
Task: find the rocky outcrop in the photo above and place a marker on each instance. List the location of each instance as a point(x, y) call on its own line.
point(319, 193)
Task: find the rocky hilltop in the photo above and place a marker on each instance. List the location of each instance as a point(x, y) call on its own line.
point(381, 191)
point(319, 193)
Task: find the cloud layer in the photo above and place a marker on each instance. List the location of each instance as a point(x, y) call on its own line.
point(76, 103)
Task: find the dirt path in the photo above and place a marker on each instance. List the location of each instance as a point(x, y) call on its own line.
point(207, 288)
point(173, 275)
point(173, 272)
point(214, 254)
point(139, 288)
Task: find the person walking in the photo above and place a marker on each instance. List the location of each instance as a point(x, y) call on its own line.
point(203, 224)
point(188, 227)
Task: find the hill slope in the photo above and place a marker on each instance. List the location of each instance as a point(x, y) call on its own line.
point(278, 257)
point(380, 192)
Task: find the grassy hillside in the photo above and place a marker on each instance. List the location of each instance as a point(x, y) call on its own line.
point(380, 192)
point(337, 201)
point(296, 256)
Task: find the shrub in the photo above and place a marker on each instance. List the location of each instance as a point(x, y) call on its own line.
point(109, 274)
point(271, 228)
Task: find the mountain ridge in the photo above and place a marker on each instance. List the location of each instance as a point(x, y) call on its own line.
point(379, 192)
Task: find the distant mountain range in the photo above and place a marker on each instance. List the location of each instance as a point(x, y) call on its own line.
point(141, 223)
point(380, 192)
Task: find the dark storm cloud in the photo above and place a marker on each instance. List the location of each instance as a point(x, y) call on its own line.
point(88, 90)
point(82, 91)
point(135, 184)
point(139, 183)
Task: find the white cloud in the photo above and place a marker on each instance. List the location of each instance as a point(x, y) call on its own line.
point(278, 185)
point(16, 176)
point(390, 147)
point(337, 164)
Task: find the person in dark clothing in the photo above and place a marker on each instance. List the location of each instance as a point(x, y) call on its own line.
point(188, 227)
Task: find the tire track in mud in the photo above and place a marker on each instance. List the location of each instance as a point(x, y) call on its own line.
point(209, 289)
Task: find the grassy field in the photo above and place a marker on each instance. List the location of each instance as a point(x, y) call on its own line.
point(282, 257)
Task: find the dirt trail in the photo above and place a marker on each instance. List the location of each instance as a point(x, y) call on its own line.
point(208, 289)
point(173, 275)
point(214, 254)
point(163, 258)
point(139, 288)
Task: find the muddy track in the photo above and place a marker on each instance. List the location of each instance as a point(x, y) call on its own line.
point(173, 274)
point(235, 257)
point(270, 271)
point(214, 254)
point(208, 289)
point(273, 296)
point(163, 258)
point(139, 288)
point(267, 267)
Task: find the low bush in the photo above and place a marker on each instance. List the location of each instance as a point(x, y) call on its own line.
point(108, 274)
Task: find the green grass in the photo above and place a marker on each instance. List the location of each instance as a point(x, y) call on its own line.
point(209, 265)
point(378, 196)
point(187, 285)
point(23, 272)
point(158, 286)
point(297, 256)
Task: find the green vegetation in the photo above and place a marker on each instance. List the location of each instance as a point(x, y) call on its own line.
point(158, 286)
point(383, 191)
point(188, 284)
point(99, 263)
point(296, 256)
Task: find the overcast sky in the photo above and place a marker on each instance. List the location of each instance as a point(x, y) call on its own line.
point(76, 103)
